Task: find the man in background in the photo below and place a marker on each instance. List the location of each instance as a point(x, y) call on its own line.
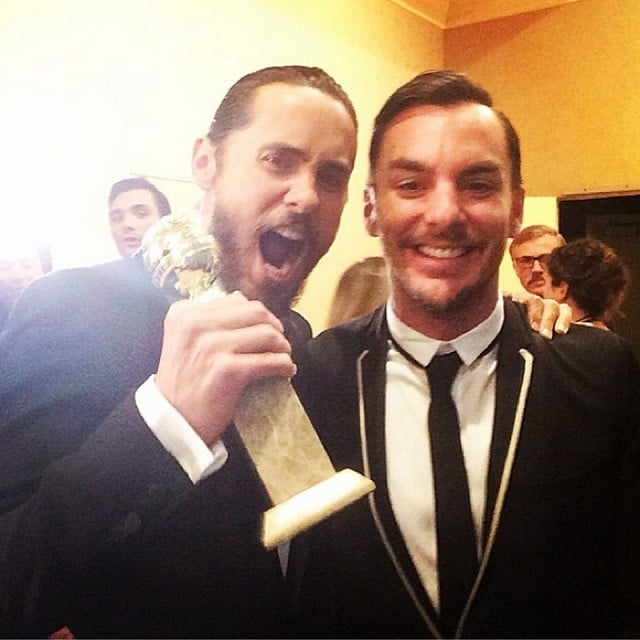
point(19, 266)
point(134, 205)
point(529, 250)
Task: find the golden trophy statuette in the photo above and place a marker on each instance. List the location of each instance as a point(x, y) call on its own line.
point(277, 433)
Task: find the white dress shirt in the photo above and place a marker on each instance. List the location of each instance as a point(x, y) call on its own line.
point(408, 450)
point(176, 435)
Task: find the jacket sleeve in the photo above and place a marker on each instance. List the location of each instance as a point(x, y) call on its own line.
point(92, 509)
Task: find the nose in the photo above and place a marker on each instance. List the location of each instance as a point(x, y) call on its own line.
point(442, 206)
point(537, 265)
point(128, 221)
point(302, 192)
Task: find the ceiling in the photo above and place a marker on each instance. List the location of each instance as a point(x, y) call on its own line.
point(455, 13)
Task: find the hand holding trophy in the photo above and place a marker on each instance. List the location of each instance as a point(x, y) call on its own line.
point(282, 444)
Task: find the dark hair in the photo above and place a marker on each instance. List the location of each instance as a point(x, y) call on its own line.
point(234, 112)
point(535, 231)
point(595, 275)
point(442, 88)
point(129, 184)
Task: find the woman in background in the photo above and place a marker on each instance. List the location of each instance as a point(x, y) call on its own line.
point(591, 278)
point(362, 288)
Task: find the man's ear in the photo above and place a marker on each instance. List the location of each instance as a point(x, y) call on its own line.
point(563, 289)
point(517, 210)
point(370, 212)
point(203, 163)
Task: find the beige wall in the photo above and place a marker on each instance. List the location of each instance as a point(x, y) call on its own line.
point(568, 77)
point(93, 90)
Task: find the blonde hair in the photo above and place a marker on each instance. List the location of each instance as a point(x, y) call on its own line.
point(362, 288)
point(535, 231)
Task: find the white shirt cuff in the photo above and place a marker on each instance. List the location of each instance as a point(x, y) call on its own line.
point(176, 435)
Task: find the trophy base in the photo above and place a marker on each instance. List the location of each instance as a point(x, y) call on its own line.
point(307, 508)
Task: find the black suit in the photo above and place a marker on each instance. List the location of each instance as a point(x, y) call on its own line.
point(107, 535)
point(553, 525)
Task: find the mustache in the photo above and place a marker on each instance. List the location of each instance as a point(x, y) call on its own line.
point(443, 239)
point(300, 221)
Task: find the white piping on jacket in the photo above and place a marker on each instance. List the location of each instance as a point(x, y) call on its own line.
point(497, 511)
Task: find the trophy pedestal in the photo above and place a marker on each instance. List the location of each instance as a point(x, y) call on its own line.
point(291, 461)
point(310, 506)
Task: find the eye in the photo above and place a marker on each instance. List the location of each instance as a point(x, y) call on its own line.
point(141, 211)
point(480, 186)
point(279, 162)
point(331, 177)
point(115, 216)
point(409, 188)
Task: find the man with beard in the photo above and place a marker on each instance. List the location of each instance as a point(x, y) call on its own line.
point(115, 522)
point(506, 465)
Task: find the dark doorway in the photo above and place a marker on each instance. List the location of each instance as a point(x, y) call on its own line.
point(613, 218)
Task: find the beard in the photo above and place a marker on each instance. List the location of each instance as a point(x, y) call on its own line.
point(277, 296)
point(450, 308)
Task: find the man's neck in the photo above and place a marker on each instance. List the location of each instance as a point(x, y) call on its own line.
point(445, 324)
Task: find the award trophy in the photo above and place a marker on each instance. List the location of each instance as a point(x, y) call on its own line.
point(281, 441)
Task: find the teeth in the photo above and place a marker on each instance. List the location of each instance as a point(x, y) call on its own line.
point(443, 252)
point(290, 234)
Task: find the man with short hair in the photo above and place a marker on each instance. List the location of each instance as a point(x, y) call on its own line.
point(133, 510)
point(134, 205)
point(506, 466)
point(529, 250)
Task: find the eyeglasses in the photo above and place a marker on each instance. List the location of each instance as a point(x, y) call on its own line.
point(527, 262)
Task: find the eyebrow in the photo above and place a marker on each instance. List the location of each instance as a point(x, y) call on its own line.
point(406, 164)
point(485, 167)
point(299, 153)
point(281, 146)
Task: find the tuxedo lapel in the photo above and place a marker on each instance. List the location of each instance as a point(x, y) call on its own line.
point(510, 373)
point(371, 373)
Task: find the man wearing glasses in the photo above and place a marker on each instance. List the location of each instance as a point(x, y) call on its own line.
point(530, 250)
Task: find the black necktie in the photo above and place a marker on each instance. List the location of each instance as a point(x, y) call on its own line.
point(457, 555)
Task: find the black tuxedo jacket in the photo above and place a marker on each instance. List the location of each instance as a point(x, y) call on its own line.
point(101, 529)
point(562, 504)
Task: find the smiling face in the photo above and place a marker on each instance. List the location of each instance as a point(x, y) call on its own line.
point(277, 188)
point(443, 204)
point(131, 213)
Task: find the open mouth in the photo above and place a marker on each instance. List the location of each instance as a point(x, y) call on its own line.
point(281, 248)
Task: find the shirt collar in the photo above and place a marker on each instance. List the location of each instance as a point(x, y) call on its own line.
point(469, 345)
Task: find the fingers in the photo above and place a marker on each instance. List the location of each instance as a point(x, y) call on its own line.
point(548, 317)
point(544, 314)
point(211, 350)
point(227, 312)
point(565, 318)
point(534, 306)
